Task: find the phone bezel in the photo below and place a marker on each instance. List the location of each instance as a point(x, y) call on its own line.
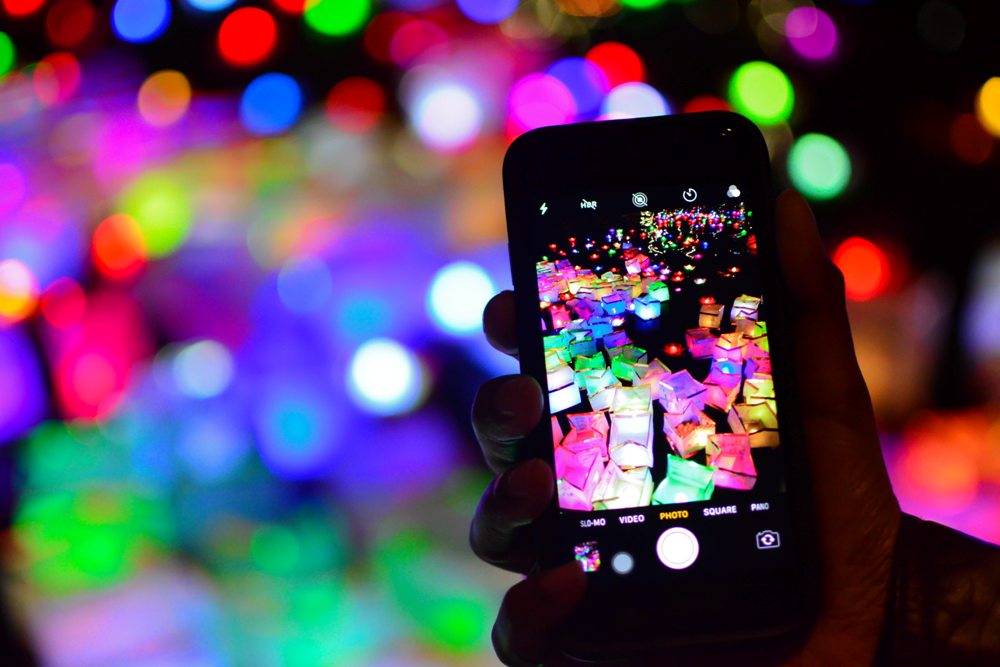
point(616, 154)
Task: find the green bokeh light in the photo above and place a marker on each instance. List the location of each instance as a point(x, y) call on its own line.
point(337, 17)
point(819, 166)
point(8, 55)
point(161, 206)
point(643, 4)
point(761, 92)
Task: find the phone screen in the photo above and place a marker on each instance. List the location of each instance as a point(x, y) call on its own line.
point(664, 414)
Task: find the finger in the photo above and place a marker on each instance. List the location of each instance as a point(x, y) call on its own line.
point(500, 323)
point(532, 610)
point(504, 411)
point(501, 533)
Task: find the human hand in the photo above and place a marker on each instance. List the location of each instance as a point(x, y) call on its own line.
point(856, 512)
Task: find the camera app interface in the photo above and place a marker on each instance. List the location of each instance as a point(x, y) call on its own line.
point(656, 350)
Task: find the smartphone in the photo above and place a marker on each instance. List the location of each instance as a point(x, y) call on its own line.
point(651, 309)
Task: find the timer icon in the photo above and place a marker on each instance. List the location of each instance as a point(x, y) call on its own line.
point(690, 195)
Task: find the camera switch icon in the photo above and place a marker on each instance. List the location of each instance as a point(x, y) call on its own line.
point(768, 539)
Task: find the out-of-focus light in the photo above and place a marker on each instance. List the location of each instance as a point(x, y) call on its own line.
point(203, 369)
point(210, 5)
point(643, 4)
point(447, 116)
point(163, 210)
point(584, 80)
point(297, 430)
point(865, 267)
point(761, 92)
point(458, 294)
point(538, 100)
point(589, 8)
point(18, 291)
point(706, 103)
point(337, 17)
point(380, 31)
point(970, 141)
point(487, 11)
point(634, 100)
point(63, 303)
point(941, 25)
point(619, 63)
point(305, 285)
point(271, 104)
point(413, 39)
point(56, 78)
point(247, 37)
point(811, 32)
point(68, 23)
point(819, 166)
point(22, 7)
point(164, 98)
point(8, 54)
point(212, 444)
point(140, 20)
point(22, 401)
point(385, 378)
point(294, 7)
point(118, 248)
point(355, 104)
point(988, 106)
point(13, 187)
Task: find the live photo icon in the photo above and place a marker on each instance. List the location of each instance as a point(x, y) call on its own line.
point(768, 539)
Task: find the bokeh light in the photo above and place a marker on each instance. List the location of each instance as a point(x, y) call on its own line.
point(203, 369)
point(458, 294)
point(819, 166)
point(589, 8)
point(865, 267)
point(619, 63)
point(706, 103)
point(634, 100)
point(447, 116)
point(13, 187)
point(56, 78)
point(22, 7)
point(988, 105)
point(271, 104)
point(210, 5)
point(247, 37)
point(305, 284)
point(584, 80)
point(487, 11)
point(294, 7)
point(164, 98)
point(413, 39)
point(162, 208)
point(140, 20)
point(69, 23)
point(63, 303)
point(23, 399)
point(538, 100)
point(8, 54)
point(384, 378)
point(812, 33)
point(337, 17)
point(355, 104)
point(18, 291)
point(643, 4)
point(761, 92)
point(297, 428)
point(970, 140)
point(118, 248)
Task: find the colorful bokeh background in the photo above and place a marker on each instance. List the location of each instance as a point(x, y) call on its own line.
point(245, 246)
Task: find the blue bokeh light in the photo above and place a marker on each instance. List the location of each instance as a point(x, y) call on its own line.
point(210, 5)
point(271, 104)
point(487, 11)
point(140, 20)
point(585, 81)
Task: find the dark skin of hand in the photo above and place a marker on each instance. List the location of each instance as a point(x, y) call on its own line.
point(856, 512)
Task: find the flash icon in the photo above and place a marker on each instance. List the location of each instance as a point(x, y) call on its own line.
point(543, 208)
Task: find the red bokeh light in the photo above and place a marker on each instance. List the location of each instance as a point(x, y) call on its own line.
point(379, 33)
point(22, 7)
point(865, 267)
point(118, 249)
point(355, 104)
point(970, 140)
point(413, 39)
point(247, 37)
point(63, 303)
point(68, 23)
point(56, 78)
point(295, 7)
point(619, 63)
point(706, 103)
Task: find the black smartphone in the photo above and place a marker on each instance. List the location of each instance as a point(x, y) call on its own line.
point(650, 306)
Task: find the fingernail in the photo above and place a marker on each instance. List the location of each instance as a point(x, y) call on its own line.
point(562, 580)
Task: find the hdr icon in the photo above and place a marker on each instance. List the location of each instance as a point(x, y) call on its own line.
point(592, 205)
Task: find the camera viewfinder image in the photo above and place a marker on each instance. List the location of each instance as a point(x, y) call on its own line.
point(657, 358)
